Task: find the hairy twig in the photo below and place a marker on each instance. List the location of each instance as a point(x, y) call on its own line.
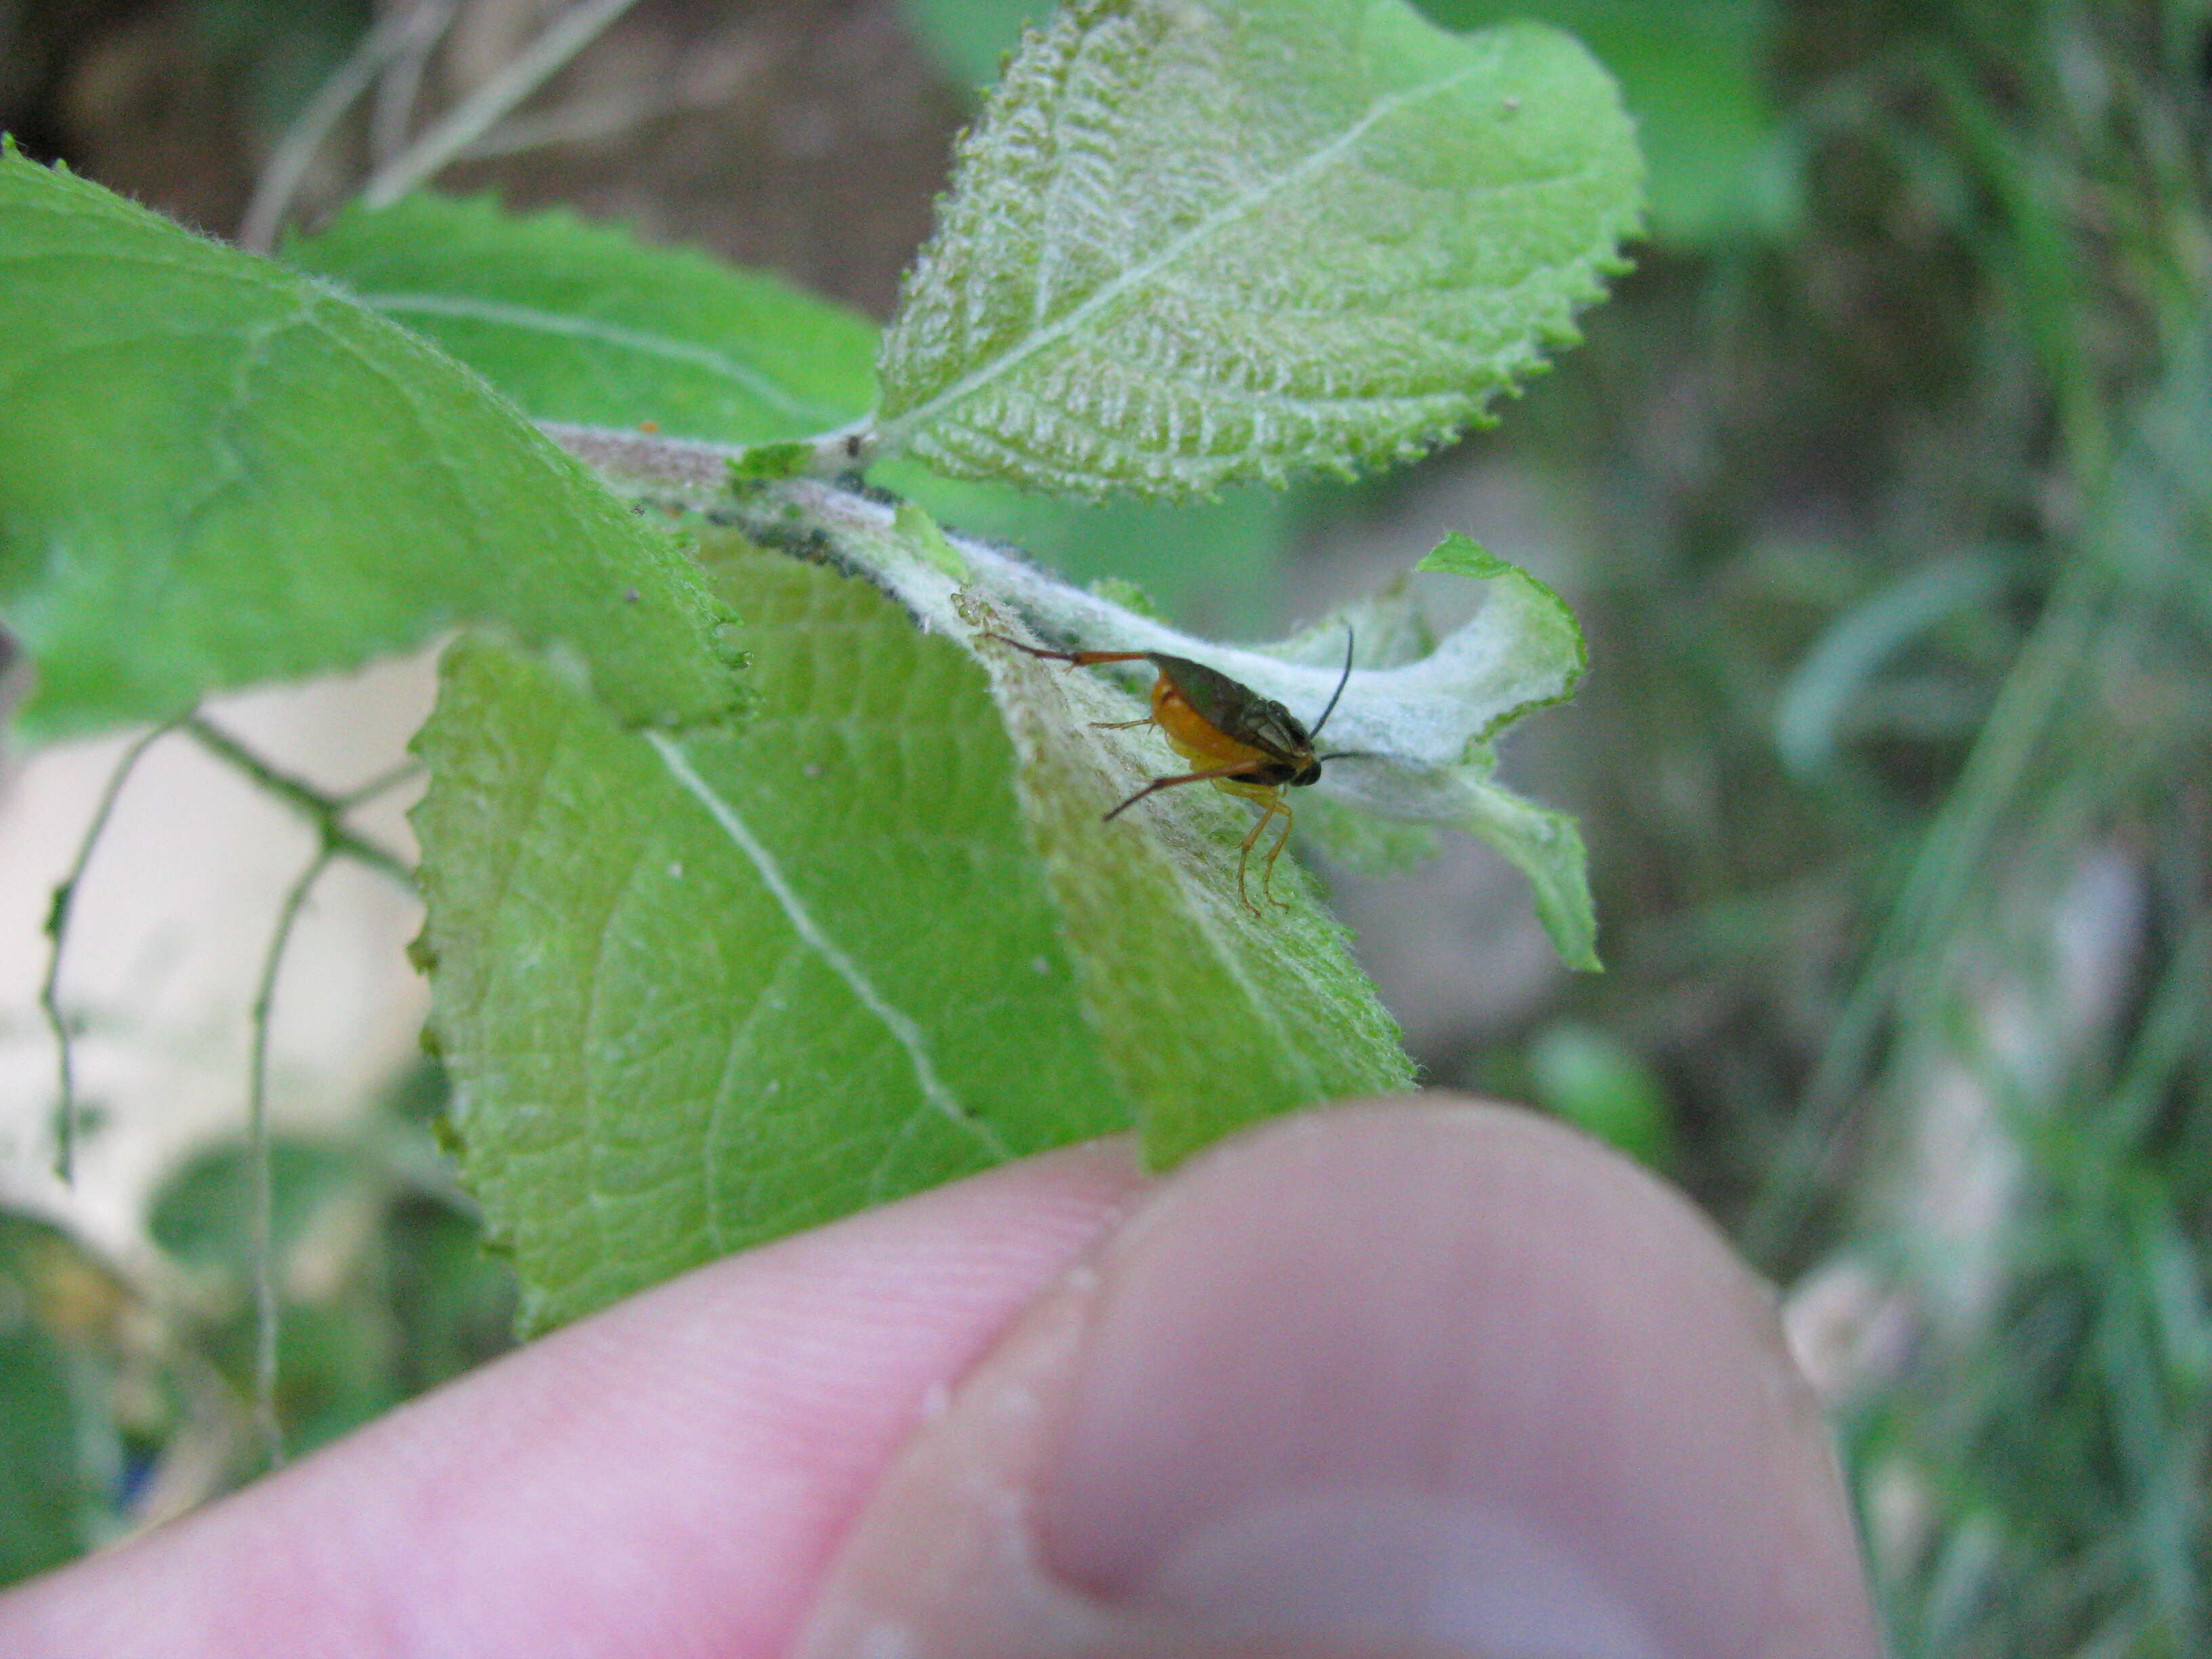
point(476, 115)
point(389, 41)
point(627, 455)
point(624, 454)
point(58, 920)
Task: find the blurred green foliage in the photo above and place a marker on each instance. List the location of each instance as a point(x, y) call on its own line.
point(130, 1396)
point(1896, 763)
point(1591, 1078)
point(59, 1445)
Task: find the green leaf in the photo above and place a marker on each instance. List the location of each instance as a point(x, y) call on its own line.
point(582, 323)
point(56, 1437)
point(45, 1497)
point(1189, 244)
point(202, 1213)
point(696, 993)
point(1694, 76)
point(215, 472)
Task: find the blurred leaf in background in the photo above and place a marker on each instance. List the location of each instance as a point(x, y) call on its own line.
point(63, 1458)
point(1590, 1077)
point(384, 1287)
point(128, 1398)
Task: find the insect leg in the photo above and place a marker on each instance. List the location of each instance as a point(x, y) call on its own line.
point(1273, 805)
point(1075, 658)
point(1238, 769)
point(1267, 870)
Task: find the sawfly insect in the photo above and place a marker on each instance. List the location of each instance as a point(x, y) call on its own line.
point(1242, 742)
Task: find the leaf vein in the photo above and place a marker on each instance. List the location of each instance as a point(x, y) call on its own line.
point(894, 1020)
point(505, 314)
point(1317, 160)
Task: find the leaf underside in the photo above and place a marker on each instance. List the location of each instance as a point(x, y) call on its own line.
point(1193, 244)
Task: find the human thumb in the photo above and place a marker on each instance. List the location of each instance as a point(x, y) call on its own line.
point(1405, 1379)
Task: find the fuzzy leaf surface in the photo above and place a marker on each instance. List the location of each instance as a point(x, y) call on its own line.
point(214, 472)
point(1191, 243)
point(698, 991)
point(581, 322)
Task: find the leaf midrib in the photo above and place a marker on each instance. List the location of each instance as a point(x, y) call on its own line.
point(530, 319)
point(896, 433)
point(903, 1028)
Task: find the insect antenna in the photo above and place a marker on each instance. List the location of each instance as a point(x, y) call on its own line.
point(1341, 681)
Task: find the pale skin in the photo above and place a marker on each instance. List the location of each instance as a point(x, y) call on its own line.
point(1479, 1301)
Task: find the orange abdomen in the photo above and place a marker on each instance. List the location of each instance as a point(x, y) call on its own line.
point(1194, 737)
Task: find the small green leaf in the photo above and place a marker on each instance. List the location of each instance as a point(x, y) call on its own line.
point(927, 539)
point(581, 323)
point(763, 462)
point(1462, 555)
point(696, 992)
point(1190, 243)
point(215, 472)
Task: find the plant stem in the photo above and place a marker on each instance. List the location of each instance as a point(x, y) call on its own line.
point(58, 920)
point(265, 1310)
point(627, 455)
point(326, 812)
point(476, 115)
point(389, 41)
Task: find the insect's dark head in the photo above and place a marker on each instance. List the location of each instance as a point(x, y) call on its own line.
point(1307, 774)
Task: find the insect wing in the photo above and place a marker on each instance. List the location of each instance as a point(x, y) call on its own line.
point(1236, 710)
